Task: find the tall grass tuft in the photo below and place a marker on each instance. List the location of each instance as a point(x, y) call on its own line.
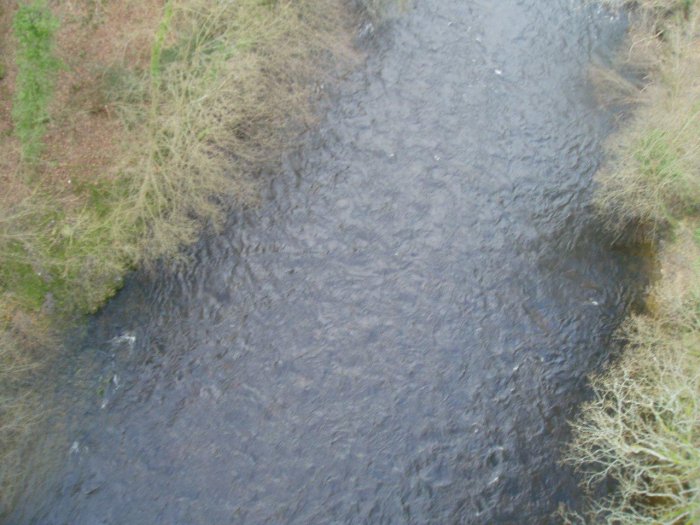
point(34, 28)
point(652, 178)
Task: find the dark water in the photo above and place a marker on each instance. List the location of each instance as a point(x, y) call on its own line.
point(400, 332)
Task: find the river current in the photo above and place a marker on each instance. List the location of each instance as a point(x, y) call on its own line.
point(399, 333)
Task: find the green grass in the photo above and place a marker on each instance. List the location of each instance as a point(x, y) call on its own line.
point(34, 28)
point(19, 274)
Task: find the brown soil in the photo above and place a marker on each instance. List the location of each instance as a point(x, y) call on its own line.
point(85, 135)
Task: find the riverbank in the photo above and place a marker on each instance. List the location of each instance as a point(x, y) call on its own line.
point(641, 433)
point(127, 128)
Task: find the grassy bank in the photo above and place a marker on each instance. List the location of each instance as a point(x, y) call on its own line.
point(641, 433)
point(127, 127)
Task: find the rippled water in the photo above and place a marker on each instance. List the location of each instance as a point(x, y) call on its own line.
point(398, 334)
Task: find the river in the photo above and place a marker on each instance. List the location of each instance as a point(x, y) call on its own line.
point(399, 332)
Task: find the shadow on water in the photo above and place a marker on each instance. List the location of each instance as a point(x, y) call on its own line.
point(399, 333)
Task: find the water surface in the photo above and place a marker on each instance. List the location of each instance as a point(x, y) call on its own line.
point(398, 334)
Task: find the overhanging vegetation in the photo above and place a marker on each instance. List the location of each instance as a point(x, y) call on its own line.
point(642, 430)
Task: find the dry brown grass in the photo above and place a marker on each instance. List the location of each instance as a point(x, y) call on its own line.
point(222, 111)
point(23, 340)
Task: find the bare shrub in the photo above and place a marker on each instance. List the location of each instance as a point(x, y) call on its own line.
point(642, 430)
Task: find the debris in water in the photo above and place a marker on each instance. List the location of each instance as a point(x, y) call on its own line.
point(126, 338)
